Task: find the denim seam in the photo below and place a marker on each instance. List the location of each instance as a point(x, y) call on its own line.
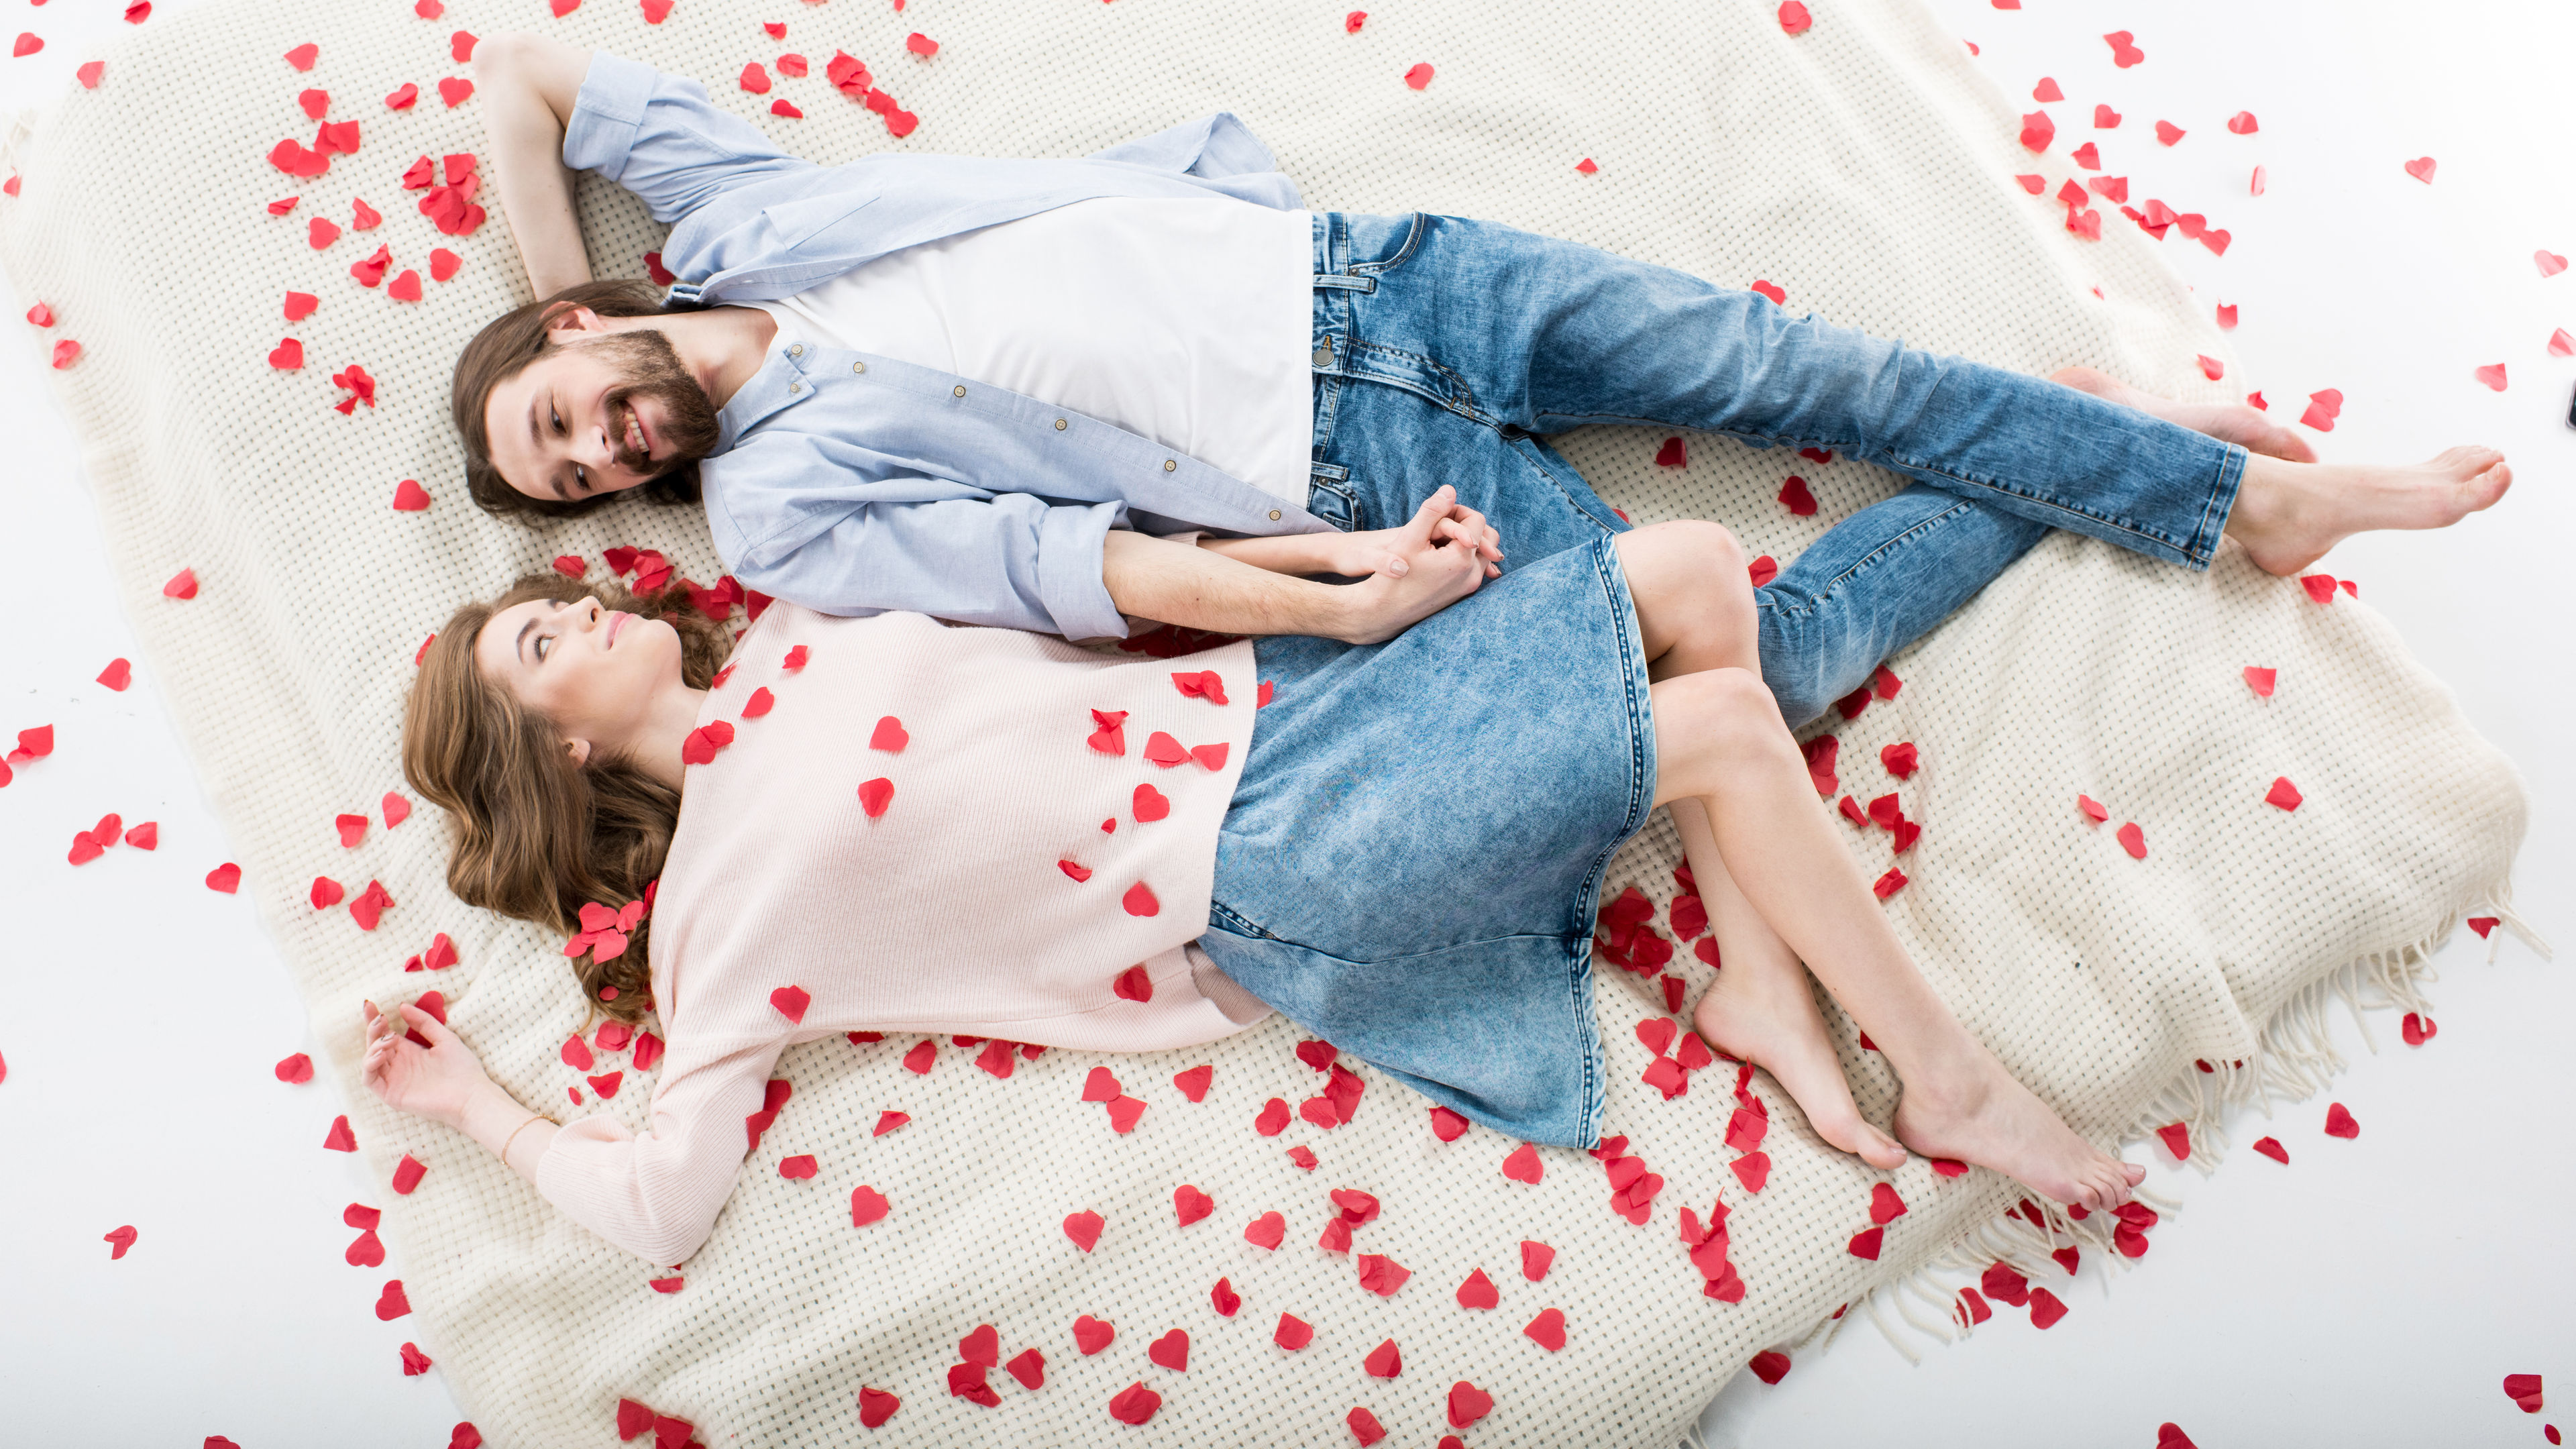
point(2231, 477)
point(1412, 239)
point(1864, 563)
point(1606, 566)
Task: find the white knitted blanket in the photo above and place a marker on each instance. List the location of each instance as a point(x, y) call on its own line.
point(1863, 166)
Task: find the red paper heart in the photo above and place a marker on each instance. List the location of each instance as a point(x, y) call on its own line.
point(2283, 794)
point(1083, 1228)
point(2492, 375)
point(1794, 493)
point(454, 90)
point(1522, 1164)
point(1381, 1275)
point(2421, 168)
point(1139, 900)
point(2133, 840)
point(791, 1002)
point(1171, 1351)
point(1672, 454)
point(1753, 1169)
point(1794, 18)
point(2046, 92)
point(867, 1205)
point(2168, 133)
point(2177, 1139)
point(1535, 1258)
point(122, 1239)
point(2271, 1147)
point(391, 1304)
point(2123, 53)
point(1467, 1404)
point(1091, 1335)
point(1029, 1368)
point(1884, 1204)
point(1657, 1033)
point(1272, 1119)
point(1193, 1083)
point(404, 287)
point(875, 795)
point(2045, 1309)
point(2340, 1123)
point(2525, 1391)
point(1418, 77)
point(1189, 1204)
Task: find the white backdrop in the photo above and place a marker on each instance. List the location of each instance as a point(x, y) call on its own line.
point(2374, 1292)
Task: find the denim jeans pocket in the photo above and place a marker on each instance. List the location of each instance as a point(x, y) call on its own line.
point(1380, 244)
point(1335, 502)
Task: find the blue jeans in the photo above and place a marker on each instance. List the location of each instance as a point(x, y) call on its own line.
point(1446, 346)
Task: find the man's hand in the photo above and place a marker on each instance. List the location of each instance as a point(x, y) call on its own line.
point(1421, 568)
point(435, 1083)
point(527, 86)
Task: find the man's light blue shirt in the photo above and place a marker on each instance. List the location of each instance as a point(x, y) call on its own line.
point(854, 483)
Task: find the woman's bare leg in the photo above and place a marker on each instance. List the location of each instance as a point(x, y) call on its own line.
point(1719, 738)
point(1695, 612)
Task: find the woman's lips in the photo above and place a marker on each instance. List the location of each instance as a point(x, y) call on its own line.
point(616, 622)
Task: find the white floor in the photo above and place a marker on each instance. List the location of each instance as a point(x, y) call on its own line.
point(2374, 1292)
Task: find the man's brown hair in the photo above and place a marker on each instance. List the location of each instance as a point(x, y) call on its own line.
point(501, 351)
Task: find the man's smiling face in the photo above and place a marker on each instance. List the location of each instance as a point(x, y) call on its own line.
point(598, 413)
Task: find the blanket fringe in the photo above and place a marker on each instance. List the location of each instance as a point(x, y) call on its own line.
point(2293, 1059)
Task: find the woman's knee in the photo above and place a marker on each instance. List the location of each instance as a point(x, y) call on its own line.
point(1729, 712)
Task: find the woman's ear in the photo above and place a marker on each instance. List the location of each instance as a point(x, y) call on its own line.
point(580, 752)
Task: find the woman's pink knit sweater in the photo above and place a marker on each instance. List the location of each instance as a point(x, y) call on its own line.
point(916, 827)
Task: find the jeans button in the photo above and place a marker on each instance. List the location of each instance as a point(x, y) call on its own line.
point(1323, 354)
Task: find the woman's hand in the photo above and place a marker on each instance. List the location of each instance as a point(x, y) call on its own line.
point(435, 1083)
point(1383, 550)
point(1421, 568)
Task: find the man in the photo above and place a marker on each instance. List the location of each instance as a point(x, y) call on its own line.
point(1061, 395)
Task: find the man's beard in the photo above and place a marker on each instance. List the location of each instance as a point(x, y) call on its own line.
point(652, 370)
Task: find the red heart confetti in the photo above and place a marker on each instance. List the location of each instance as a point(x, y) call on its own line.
point(1587, 167)
point(66, 352)
point(1770, 1366)
point(455, 90)
point(1763, 570)
point(1671, 454)
point(1522, 1164)
point(1273, 1118)
point(302, 56)
point(2492, 375)
point(225, 878)
point(1190, 1204)
point(1139, 900)
point(1467, 1404)
point(875, 795)
point(1029, 1368)
point(2037, 130)
point(1382, 1275)
point(2524, 1390)
point(1418, 77)
point(1083, 1228)
point(2045, 1309)
point(2271, 1147)
point(368, 1251)
point(1794, 19)
point(1793, 493)
point(2416, 1030)
point(1171, 1351)
point(1091, 1335)
point(391, 1304)
point(1535, 1258)
point(408, 1173)
point(2168, 133)
point(867, 1205)
point(1364, 1425)
point(2133, 840)
point(2177, 1139)
point(1351, 22)
point(2046, 92)
point(1865, 1244)
point(1134, 1404)
point(1889, 884)
point(414, 1361)
point(791, 1002)
point(2421, 168)
point(1164, 750)
point(1293, 1333)
point(1884, 1204)
point(1193, 1083)
point(2283, 794)
point(121, 1239)
point(2340, 1123)
point(2124, 54)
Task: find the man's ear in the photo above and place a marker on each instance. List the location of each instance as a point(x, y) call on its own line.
point(580, 752)
point(573, 323)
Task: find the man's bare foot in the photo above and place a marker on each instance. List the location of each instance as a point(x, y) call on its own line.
point(1760, 1013)
point(2288, 514)
point(2227, 422)
point(1987, 1118)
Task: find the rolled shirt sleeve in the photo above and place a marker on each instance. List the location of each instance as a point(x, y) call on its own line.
point(1012, 561)
point(658, 135)
point(657, 1193)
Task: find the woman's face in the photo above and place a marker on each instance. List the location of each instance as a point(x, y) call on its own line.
point(590, 670)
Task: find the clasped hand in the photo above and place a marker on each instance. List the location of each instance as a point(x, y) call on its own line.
point(1418, 568)
point(435, 1081)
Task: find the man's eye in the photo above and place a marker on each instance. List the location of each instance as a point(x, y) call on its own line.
point(580, 479)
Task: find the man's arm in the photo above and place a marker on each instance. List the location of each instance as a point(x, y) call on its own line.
point(527, 84)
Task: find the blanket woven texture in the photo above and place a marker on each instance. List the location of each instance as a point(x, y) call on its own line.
point(1864, 167)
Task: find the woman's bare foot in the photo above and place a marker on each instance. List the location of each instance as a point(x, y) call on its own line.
point(1985, 1117)
point(2288, 514)
point(1759, 1013)
point(2227, 422)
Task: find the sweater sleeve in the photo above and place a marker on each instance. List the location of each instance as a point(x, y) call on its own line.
point(656, 1194)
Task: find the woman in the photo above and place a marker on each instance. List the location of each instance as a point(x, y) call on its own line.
point(891, 824)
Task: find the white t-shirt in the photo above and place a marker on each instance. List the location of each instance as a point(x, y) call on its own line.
point(1187, 321)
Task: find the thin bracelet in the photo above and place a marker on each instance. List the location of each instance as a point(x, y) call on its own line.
point(514, 1136)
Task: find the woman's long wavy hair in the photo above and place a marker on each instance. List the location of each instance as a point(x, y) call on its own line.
point(537, 836)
